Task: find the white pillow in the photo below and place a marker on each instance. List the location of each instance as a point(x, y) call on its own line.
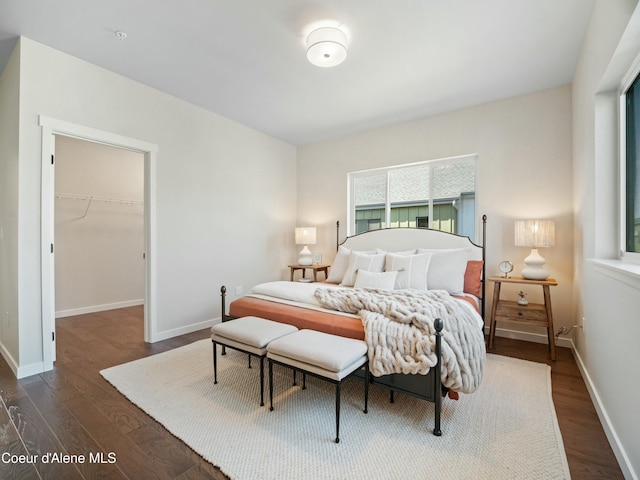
point(382, 280)
point(446, 269)
point(361, 261)
point(412, 269)
point(340, 264)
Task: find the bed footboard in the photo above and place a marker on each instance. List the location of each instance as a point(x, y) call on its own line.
point(426, 387)
point(223, 303)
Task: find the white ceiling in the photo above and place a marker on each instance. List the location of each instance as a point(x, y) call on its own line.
point(245, 59)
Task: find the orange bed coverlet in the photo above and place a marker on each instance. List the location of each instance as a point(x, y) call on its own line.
point(300, 317)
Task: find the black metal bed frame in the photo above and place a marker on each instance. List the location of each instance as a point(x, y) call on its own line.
point(426, 387)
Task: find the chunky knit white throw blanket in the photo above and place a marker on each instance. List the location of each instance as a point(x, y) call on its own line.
point(400, 333)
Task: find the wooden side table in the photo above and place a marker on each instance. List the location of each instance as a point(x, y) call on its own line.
point(316, 268)
point(531, 314)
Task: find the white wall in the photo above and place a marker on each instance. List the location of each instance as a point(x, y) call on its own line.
point(9, 114)
point(225, 194)
point(524, 148)
point(607, 298)
point(99, 245)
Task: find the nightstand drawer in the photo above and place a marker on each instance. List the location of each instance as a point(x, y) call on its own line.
point(513, 311)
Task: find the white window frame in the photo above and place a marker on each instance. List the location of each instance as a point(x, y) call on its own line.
point(351, 176)
point(630, 257)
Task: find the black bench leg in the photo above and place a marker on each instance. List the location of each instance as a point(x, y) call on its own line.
point(304, 380)
point(294, 377)
point(215, 363)
point(270, 385)
point(366, 387)
point(338, 412)
point(249, 360)
point(390, 396)
point(262, 381)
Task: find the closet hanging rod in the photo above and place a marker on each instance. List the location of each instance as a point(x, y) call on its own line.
point(90, 198)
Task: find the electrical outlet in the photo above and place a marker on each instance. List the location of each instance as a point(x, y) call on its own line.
point(583, 325)
point(239, 290)
point(7, 319)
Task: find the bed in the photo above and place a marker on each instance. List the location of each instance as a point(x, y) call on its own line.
point(429, 281)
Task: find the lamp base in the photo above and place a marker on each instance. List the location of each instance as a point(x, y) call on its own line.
point(305, 261)
point(535, 266)
point(305, 257)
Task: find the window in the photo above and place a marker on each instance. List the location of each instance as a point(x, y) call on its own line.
point(422, 222)
point(630, 171)
point(439, 194)
point(366, 224)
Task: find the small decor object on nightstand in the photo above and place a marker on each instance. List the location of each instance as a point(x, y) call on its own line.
point(522, 300)
point(506, 267)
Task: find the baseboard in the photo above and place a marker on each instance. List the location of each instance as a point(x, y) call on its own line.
point(175, 332)
point(529, 337)
point(18, 371)
point(614, 441)
point(98, 308)
point(9, 359)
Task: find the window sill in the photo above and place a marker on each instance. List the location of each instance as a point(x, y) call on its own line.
point(628, 273)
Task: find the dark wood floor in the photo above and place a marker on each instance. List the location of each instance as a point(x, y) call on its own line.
point(73, 410)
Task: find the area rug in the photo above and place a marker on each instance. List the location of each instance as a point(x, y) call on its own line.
point(506, 430)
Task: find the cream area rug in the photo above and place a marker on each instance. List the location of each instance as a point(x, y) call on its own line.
point(506, 430)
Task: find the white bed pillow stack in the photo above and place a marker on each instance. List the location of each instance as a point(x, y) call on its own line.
point(422, 269)
point(341, 263)
point(362, 261)
point(412, 269)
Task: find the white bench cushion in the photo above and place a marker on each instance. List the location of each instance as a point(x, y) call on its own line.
point(327, 355)
point(253, 332)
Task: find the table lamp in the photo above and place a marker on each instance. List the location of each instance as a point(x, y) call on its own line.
point(534, 234)
point(305, 236)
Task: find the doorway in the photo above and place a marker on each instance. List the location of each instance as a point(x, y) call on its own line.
point(99, 227)
point(51, 129)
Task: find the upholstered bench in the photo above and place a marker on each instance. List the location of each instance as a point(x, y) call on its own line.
point(249, 335)
point(321, 355)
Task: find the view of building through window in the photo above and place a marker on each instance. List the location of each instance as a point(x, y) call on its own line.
point(439, 194)
point(631, 186)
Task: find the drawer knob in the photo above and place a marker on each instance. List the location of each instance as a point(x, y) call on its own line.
point(520, 313)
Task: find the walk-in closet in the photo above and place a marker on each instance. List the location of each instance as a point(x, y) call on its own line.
point(99, 227)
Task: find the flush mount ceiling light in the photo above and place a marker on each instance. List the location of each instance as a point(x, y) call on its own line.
point(327, 47)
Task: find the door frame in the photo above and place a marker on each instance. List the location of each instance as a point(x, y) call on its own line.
point(50, 128)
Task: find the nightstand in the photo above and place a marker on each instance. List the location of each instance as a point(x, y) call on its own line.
point(316, 268)
point(532, 314)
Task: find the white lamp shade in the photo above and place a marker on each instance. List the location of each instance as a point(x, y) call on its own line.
point(305, 235)
point(327, 47)
point(535, 233)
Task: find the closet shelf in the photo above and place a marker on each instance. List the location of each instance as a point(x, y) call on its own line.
point(90, 198)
